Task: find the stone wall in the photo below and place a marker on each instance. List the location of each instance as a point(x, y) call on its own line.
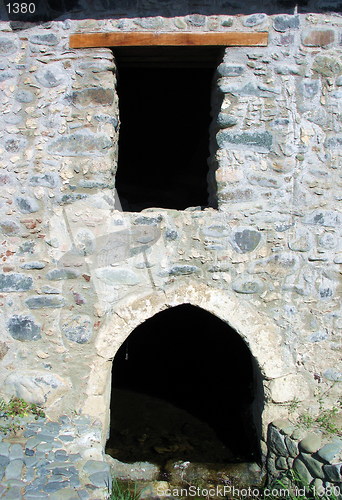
point(313, 457)
point(78, 275)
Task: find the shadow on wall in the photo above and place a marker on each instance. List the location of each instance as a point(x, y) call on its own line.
point(101, 9)
point(185, 386)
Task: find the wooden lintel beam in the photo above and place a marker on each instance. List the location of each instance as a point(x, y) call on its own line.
point(135, 38)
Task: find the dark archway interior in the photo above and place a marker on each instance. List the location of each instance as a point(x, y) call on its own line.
point(164, 101)
point(184, 386)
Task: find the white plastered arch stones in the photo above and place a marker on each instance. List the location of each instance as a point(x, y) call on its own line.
point(280, 377)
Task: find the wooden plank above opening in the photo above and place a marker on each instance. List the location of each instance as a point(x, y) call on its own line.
point(135, 38)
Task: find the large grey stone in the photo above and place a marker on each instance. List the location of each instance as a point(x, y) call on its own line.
point(47, 179)
point(33, 265)
point(62, 274)
point(150, 23)
point(14, 469)
point(248, 89)
point(94, 184)
point(15, 282)
point(44, 39)
point(225, 69)
point(24, 96)
point(196, 20)
point(326, 218)
point(334, 142)
point(66, 494)
point(284, 22)
point(4, 449)
point(329, 451)
point(310, 443)
point(327, 65)
point(44, 301)
point(16, 452)
point(12, 493)
point(4, 461)
point(6, 75)
point(315, 467)
point(7, 46)
point(136, 471)
point(32, 443)
point(9, 227)
point(265, 181)
point(217, 231)
point(14, 145)
point(287, 69)
point(12, 118)
point(66, 471)
point(332, 374)
point(302, 472)
point(256, 141)
point(101, 480)
point(333, 472)
point(23, 328)
point(246, 240)
point(148, 221)
point(78, 329)
point(309, 88)
point(27, 205)
point(26, 248)
point(254, 20)
point(113, 120)
point(81, 144)
point(50, 77)
point(236, 195)
point(226, 120)
point(185, 269)
point(276, 442)
point(227, 23)
point(300, 241)
point(52, 486)
point(247, 285)
point(281, 463)
point(72, 197)
point(318, 336)
point(96, 96)
point(50, 290)
point(92, 466)
point(33, 386)
point(280, 264)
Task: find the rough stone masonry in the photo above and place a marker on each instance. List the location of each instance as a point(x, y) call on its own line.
point(78, 275)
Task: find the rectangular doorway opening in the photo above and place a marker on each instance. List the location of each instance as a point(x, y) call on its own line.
point(165, 105)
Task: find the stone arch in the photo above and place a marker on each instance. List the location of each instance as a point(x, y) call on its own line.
point(259, 332)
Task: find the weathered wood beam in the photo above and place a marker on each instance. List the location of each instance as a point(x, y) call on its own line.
point(134, 38)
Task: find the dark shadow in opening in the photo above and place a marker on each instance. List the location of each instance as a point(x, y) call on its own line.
point(164, 100)
point(185, 386)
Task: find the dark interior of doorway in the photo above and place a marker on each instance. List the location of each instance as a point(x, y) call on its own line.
point(184, 387)
point(164, 101)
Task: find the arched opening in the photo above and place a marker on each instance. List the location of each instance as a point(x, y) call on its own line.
point(185, 386)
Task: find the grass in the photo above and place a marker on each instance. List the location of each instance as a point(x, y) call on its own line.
point(327, 420)
point(16, 408)
point(123, 492)
point(293, 487)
